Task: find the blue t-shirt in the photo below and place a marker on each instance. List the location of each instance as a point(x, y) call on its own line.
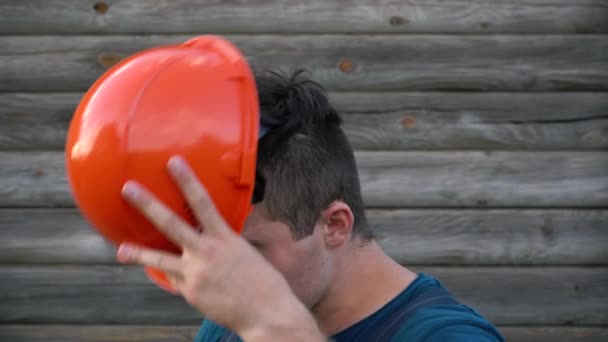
point(432, 323)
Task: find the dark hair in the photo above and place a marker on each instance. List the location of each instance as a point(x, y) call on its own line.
point(305, 161)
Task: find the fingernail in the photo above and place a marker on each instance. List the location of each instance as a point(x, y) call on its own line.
point(177, 164)
point(130, 189)
point(125, 252)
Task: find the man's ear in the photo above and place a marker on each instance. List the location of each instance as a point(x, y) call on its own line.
point(338, 221)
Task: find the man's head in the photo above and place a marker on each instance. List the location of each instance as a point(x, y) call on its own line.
point(308, 205)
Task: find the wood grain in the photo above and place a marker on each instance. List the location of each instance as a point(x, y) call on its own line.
point(382, 121)
point(344, 16)
point(97, 295)
point(388, 179)
point(338, 62)
point(451, 121)
point(493, 237)
point(551, 334)
point(98, 333)
point(51, 236)
point(412, 237)
point(530, 296)
point(168, 333)
point(484, 179)
point(35, 179)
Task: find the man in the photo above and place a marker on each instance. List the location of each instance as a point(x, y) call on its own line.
point(309, 222)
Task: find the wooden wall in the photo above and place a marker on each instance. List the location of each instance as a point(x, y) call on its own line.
point(481, 130)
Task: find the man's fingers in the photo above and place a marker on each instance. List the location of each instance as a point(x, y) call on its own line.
point(166, 262)
point(169, 223)
point(176, 283)
point(197, 196)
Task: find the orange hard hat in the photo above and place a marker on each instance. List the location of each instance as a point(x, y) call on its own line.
point(197, 100)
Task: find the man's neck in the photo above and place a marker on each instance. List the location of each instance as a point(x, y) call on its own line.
point(365, 280)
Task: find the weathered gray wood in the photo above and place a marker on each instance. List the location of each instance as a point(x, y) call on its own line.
point(412, 237)
point(98, 333)
point(389, 179)
point(491, 179)
point(339, 62)
point(530, 295)
point(552, 334)
point(475, 121)
point(170, 333)
point(381, 121)
point(51, 236)
point(35, 121)
point(34, 179)
point(415, 16)
point(123, 295)
point(96, 295)
point(491, 237)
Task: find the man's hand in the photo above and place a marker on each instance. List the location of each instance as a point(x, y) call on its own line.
point(218, 272)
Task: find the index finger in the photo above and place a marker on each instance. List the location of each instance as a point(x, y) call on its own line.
point(161, 260)
point(199, 199)
point(165, 220)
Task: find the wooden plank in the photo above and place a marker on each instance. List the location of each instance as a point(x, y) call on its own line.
point(551, 334)
point(51, 236)
point(98, 333)
point(339, 62)
point(94, 295)
point(123, 295)
point(412, 237)
point(36, 121)
point(167, 333)
point(34, 179)
point(493, 237)
point(450, 121)
point(530, 295)
point(389, 179)
point(345, 16)
point(381, 121)
point(484, 179)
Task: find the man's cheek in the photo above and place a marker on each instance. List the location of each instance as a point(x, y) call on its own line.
point(271, 257)
point(280, 261)
point(267, 255)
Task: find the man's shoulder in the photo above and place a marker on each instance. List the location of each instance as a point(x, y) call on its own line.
point(209, 332)
point(448, 322)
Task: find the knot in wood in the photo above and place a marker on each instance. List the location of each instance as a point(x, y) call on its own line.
point(101, 7)
point(397, 21)
point(408, 121)
point(547, 228)
point(107, 59)
point(482, 202)
point(346, 65)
